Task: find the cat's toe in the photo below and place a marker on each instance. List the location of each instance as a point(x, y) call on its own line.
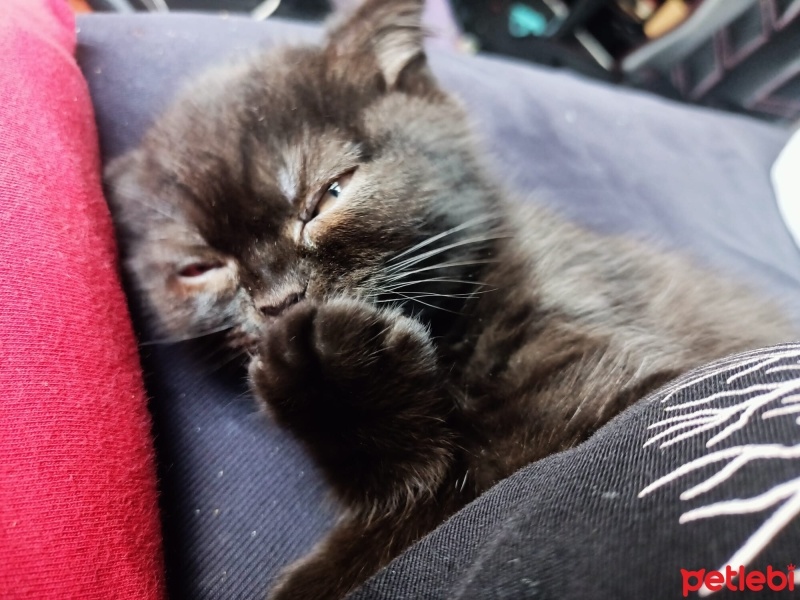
point(285, 354)
point(408, 341)
point(346, 333)
point(354, 339)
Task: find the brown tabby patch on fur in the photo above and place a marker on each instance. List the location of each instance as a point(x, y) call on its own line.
point(423, 335)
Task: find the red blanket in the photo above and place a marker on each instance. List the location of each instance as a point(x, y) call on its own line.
point(78, 511)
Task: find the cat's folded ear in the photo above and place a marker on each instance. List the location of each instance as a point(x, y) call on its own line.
point(386, 35)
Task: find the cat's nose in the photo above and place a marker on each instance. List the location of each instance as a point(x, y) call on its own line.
point(273, 310)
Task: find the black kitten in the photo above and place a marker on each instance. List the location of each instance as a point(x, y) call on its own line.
point(423, 335)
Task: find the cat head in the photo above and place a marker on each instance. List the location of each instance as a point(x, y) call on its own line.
point(335, 170)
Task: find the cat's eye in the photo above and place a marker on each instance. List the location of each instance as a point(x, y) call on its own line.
point(328, 196)
point(197, 269)
point(207, 275)
point(335, 189)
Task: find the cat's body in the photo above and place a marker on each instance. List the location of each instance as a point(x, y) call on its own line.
point(423, 335)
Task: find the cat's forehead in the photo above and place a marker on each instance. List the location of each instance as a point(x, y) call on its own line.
point(307, 160)
point(294, 90)
point(284, 115)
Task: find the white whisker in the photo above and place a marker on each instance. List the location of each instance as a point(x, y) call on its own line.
point(403, 274)
point(415, 295)
point(419, 258)
point(412, 299)
point(434, 280)
point(452, 230)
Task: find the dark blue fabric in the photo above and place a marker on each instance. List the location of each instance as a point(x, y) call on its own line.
point(240, 498)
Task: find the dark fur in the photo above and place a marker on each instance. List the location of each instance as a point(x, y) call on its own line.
point(415, 399)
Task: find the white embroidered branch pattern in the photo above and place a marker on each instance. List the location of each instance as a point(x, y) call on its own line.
point(726, 412)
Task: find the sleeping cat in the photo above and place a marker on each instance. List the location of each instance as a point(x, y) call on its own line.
point(425, 336)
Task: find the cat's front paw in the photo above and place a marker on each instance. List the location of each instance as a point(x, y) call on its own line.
point(285, 357)
point(339, 355)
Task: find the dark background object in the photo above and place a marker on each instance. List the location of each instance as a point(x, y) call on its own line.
point(737, 55)
point(304, 10)
point(122, 6)
point(538, 30)
point(580, 11)
point(749, 63)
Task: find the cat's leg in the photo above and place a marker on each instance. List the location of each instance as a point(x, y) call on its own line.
point(361, 387)
point(353, 551)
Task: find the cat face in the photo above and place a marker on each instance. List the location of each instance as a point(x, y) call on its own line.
point(309, 173)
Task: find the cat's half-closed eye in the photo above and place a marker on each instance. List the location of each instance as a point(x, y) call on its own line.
point(197, 269)
point(330, 197)
point(208, 274)
point(326, 197)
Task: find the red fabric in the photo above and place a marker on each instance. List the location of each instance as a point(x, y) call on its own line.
point(78, 512)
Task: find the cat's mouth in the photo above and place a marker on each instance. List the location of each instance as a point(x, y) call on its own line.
point(277, 307)
point(246, 336)
point(274, 304)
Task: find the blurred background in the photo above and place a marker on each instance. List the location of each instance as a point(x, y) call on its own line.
point(737, 55)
